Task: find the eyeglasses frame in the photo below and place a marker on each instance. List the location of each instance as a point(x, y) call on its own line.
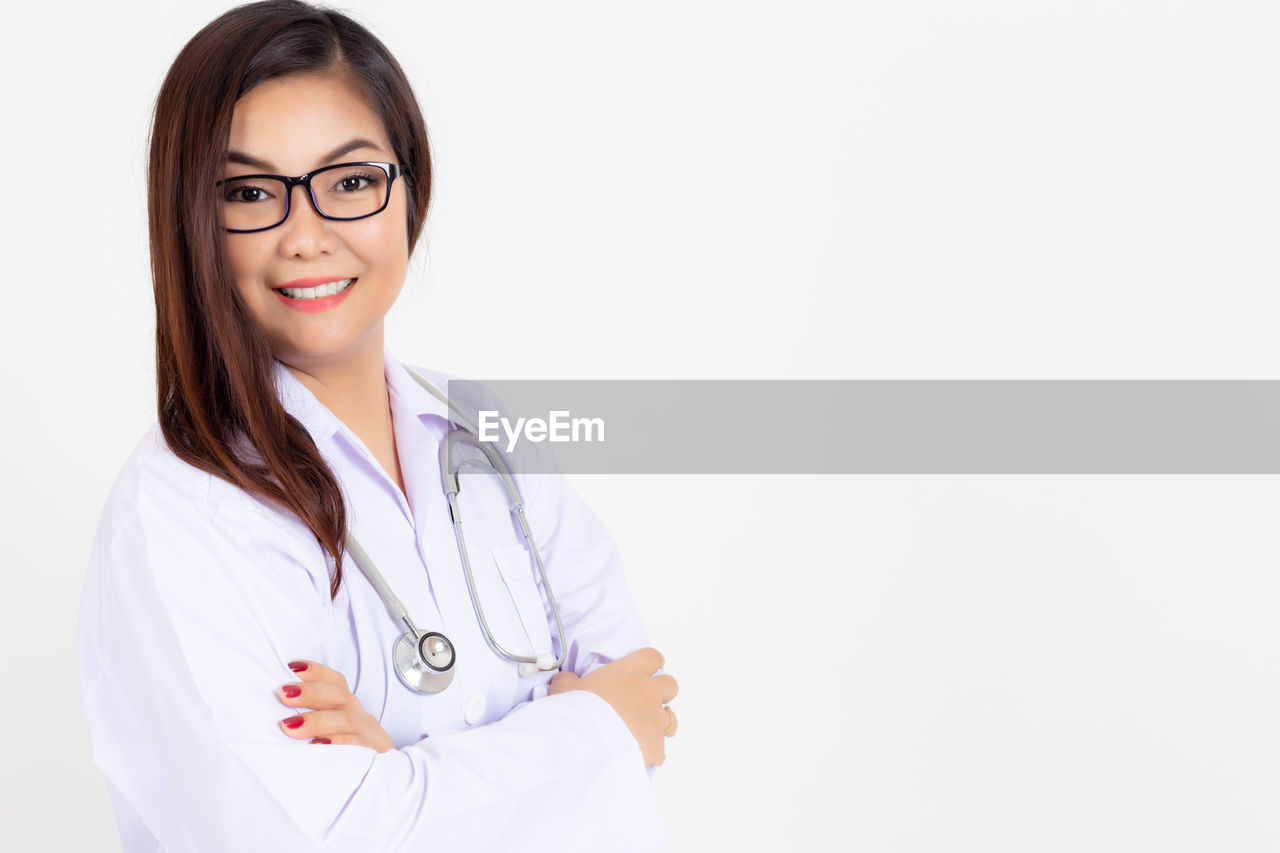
point(393, 171)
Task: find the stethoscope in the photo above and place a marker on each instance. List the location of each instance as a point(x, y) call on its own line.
point(424, 660)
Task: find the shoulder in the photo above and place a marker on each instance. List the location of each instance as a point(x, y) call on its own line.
point(176, 545)
point(153, 479)
point(156, 491)
point(533, 465)
point(438, 378)
point(462, 390)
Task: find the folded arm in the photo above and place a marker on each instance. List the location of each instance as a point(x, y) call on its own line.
point(186, 633)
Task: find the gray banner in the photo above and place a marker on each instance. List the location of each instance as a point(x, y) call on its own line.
point(880, 426)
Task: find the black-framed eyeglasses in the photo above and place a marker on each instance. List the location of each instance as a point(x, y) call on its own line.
point(343, 192)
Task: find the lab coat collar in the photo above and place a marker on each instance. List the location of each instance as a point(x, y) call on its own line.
point(298, 400)
point(408, 394)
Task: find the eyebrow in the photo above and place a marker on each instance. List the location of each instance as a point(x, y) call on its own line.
point(341, 151)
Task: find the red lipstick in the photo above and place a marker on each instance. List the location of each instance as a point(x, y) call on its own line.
point(314, 306)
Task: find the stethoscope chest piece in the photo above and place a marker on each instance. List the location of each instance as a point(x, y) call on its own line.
point(424, 665)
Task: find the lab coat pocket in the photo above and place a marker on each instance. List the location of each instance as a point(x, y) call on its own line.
point(516, 566)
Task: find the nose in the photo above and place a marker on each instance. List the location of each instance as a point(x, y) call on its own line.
point(304, 232)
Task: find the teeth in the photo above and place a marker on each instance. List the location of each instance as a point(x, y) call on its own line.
point(317, 292)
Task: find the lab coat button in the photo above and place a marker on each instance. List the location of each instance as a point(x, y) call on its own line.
point(474, 711)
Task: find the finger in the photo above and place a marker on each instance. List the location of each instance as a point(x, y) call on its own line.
point(350, 740)
point(341, 740)
point(318, 695)
point(667, 688)
point(310, 670)
point(563, 681)
point(649, 658)
point(317, 724)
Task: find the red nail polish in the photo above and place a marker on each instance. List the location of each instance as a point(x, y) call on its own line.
point(293, 722)
point(291, 691)
point(321, 740)
point(297, 666)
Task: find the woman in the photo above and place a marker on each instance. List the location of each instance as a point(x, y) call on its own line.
point(239, 681)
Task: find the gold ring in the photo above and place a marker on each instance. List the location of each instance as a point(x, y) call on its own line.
point(671, 719)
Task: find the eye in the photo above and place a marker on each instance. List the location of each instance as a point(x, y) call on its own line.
point(245, 192)
point(356, 180)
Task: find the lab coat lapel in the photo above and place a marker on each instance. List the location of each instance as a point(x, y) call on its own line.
point(421, 422)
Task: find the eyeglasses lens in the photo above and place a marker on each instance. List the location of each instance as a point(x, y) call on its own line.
point(342, 192)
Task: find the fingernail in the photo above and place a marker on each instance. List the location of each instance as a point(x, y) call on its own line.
point(291, 691)
point(321, 740)
point(297, 666)
point(293, 722)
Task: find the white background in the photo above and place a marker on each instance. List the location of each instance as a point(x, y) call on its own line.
point(784, 190)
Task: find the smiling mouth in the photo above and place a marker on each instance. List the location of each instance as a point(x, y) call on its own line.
point(318, 292)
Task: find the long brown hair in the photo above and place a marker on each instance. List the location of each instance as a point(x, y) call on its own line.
point(214, 371)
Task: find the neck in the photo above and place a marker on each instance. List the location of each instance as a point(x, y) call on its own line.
point(354, 388)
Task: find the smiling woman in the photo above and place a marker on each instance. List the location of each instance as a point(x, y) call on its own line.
point(240, 688)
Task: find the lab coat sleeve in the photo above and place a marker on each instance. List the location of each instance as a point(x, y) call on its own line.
point(193, 607)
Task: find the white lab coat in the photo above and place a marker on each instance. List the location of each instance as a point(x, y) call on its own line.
point(198, 595)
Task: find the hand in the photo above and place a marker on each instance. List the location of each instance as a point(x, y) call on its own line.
point(629, 685)
point(338, 716)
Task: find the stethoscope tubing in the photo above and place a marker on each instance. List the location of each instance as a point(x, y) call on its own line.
point(409, 664)
point(517, 507)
